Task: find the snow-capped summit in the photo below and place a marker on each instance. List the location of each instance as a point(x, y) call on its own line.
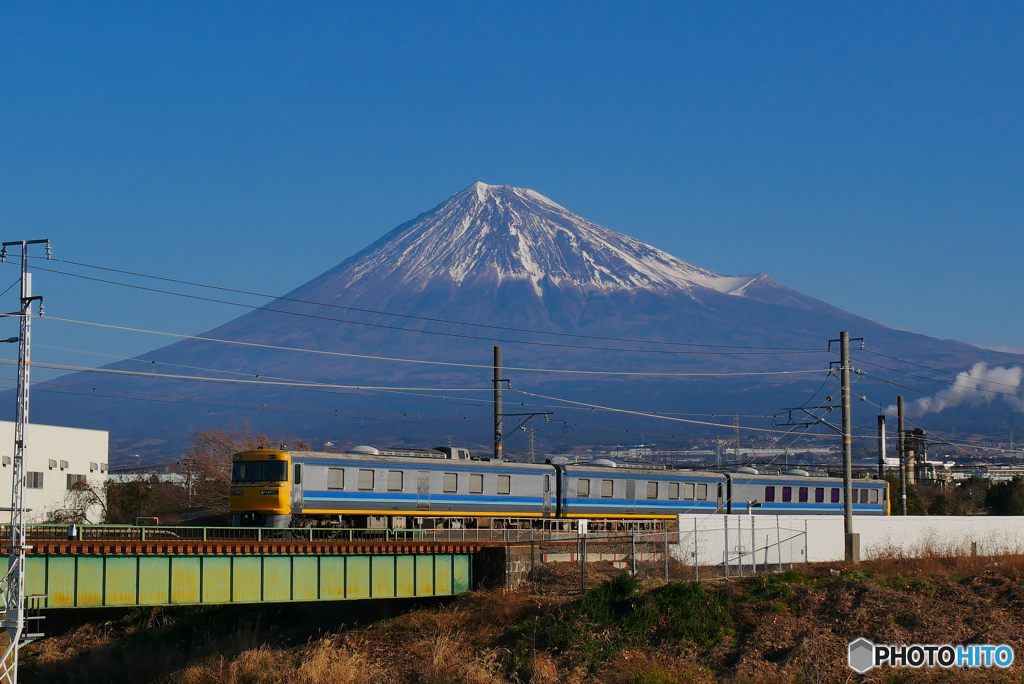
point(500, 233)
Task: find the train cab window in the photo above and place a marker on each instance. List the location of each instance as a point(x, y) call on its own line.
point(583, 488)
point(819, 495)
point(787, 493)
point(395, 481)
point(504, 484)
point(702, 492)
point(874, 496)
point(476, 484)
point(652, 490)
point(803, 495)
point(835, 495)
point(451, 482)
point(769, 494)
point(607, 488)
point(673, 490)
point(335, 478)
point(366, 480)
point(688, 491)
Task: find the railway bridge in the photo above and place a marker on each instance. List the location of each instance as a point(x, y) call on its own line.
point(89, 566)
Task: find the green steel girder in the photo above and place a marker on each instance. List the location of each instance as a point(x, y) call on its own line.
point(90, 581)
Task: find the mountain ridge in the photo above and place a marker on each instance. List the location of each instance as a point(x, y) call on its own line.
point(513, 258)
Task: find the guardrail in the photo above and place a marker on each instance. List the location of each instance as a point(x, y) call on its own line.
point(143, 533)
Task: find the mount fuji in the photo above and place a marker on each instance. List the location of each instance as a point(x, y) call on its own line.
point(498, 265)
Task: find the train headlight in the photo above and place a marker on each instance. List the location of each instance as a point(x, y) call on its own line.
point(236, 492)
point(269, 492)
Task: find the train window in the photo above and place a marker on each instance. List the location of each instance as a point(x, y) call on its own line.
point(803, 495)
point(366, 480)
point(476, 484)
point(451, 482)
point(547, 483)
point(463, 454)
point(673, 490)
point(874, 496)
point(335, 478)
point(504, 484)
point(298, 474)
point(835, 495)
point(652, 490)
point(819, 495)
point(582, 487)
point(787, 493)
point(769, 494)
point(863, 496)
point(607, 488)
point(395, 481)
point(688, 491)
point(276, 471)
point(702, 492)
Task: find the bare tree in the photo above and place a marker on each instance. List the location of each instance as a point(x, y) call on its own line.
point(207, 462)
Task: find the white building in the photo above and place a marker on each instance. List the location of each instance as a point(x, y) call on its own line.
point(55, 458)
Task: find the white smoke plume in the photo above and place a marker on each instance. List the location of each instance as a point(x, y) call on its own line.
point(979, 385)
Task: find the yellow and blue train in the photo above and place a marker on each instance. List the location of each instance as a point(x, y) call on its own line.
point(368, 487)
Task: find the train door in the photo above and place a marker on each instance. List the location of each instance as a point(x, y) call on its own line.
point(297, 487)
point(423, 490)
point(547, 496)
point(630, 496)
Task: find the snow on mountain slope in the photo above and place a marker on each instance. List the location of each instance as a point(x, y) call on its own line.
point(501, 233)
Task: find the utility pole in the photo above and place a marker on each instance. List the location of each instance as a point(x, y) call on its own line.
point(881, 446)
point(14, 599)
point(901, 445)
point(498, 452)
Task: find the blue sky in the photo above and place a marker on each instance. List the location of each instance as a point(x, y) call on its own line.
point(867, 154)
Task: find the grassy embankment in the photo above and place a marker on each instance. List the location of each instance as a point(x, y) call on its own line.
point(769, 628)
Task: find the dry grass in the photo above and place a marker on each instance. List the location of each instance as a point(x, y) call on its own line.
point(781, 629)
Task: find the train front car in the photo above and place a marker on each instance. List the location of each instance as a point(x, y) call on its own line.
point(260, 489)
point(798, 492)
point(606, 489)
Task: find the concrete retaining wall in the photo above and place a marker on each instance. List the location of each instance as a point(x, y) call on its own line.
point(789, 539)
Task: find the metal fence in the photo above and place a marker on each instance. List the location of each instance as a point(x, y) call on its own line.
point(738, 545)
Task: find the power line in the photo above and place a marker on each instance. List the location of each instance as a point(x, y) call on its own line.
point(639, 413)
point(919, 365)
point(953, 401)
point(386, 313)
point(946, 382)
point(371, 357)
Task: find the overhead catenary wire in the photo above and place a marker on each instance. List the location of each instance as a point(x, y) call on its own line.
point(427, 362)
point(387, 313)
point(656, 416)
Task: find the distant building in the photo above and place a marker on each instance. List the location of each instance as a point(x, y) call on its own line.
point(55, 459)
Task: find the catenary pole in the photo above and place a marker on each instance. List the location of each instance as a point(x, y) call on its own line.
point(844, 354)
point(498, 451)
point(14, 599)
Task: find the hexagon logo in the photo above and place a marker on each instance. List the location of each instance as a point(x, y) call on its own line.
point(861, 655)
